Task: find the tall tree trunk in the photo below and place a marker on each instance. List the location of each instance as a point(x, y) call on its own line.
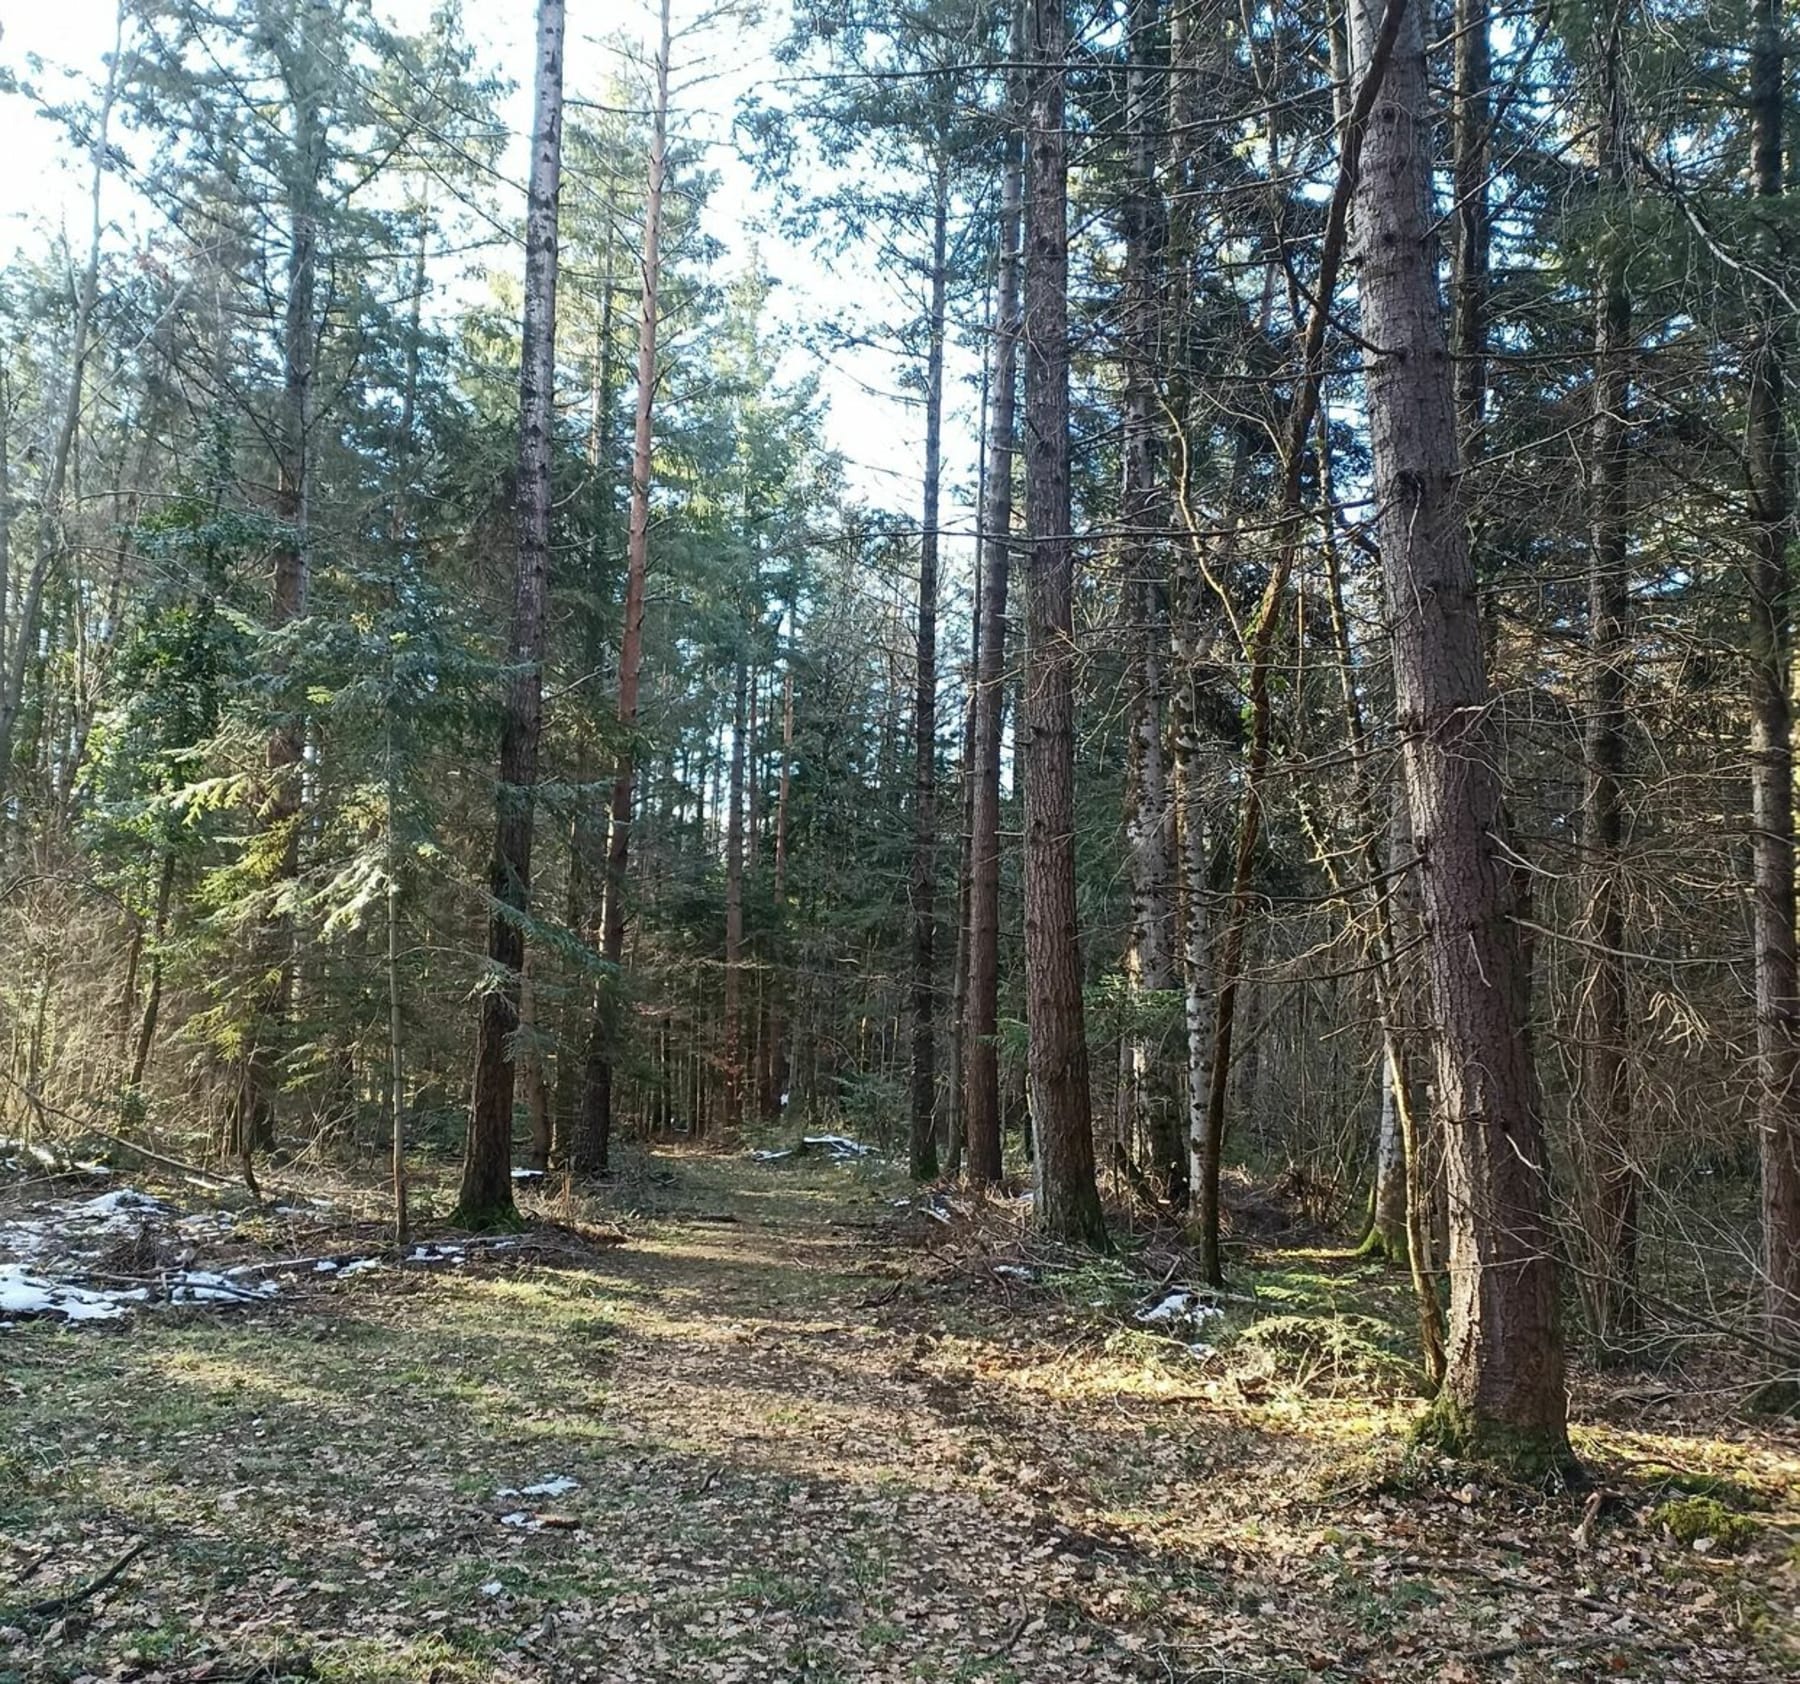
point(1399, 1226)
point(486, 1197)
point(1145, 1106)
point(1771, 531)
point(400, 537)
point(593, 1136)
point(981, 1061)
point(950, 1128)
point(1187, 797)
point(1503, 1394)
point(1068, 1202)
point(775, 1091)
point(585, 832)
point(734, 911)
point(1603, 1091)
point(922, 1157)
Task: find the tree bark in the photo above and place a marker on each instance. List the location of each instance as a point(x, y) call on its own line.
point(593, 1134)
point(1068, 1201)
point(486, 1197)
point(734, 911)
point(1603, 1090)
point(922, 1156)
point(981, 1062)
point(1771, 531)
point(1145, 1104)
point(1503, 1394)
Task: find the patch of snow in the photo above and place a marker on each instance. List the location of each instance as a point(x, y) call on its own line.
point(119, 1201)
point(527, 1174)
point(1199, 1350)
point(838, 1145)
point(40, 1155)
point(768, 1157)
point(1014, 1272)
point(557, 1485)
point(1182, 1306)
point(325, 1266)
point(207, 1219)
point(517, 1518)
point(198, 1286)
point(361, 1266)
point(22, 1294)
point(492, 1588)
point(436, 1254)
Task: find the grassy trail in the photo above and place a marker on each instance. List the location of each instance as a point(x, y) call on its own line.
point(785, 1440)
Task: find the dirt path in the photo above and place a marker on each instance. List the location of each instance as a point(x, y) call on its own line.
point(790, 1445)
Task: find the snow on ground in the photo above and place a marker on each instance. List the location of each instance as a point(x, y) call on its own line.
point(58, 1257)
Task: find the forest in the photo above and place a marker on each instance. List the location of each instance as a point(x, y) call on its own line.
point(900, 839)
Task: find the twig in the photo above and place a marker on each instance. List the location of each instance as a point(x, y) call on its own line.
point(69, 1599)
point(1010, 1641)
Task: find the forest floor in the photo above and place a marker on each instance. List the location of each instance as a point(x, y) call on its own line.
point(802, 1425)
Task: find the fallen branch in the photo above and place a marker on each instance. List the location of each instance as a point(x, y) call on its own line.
point(71, 1599)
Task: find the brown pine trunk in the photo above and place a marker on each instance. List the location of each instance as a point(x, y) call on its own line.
point(1603, 1091)
point(1771, 531)
point(1399, 1225)
point(1503, 1394)
point(981, 1063)
point(734, 912)
point(1068, 1202)
point(922, 1157)
point(486, 1197)
point(593, 1135)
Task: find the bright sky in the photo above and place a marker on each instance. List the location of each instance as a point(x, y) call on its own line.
point(43, 190)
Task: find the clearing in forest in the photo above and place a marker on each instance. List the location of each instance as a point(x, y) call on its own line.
point(802, 1426)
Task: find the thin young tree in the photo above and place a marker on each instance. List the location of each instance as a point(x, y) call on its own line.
point(1603, 1092)
point(981, 1061)
point(922, 1155)
point(1145, 1108)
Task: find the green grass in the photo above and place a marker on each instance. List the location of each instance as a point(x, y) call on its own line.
point(780, 1476)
